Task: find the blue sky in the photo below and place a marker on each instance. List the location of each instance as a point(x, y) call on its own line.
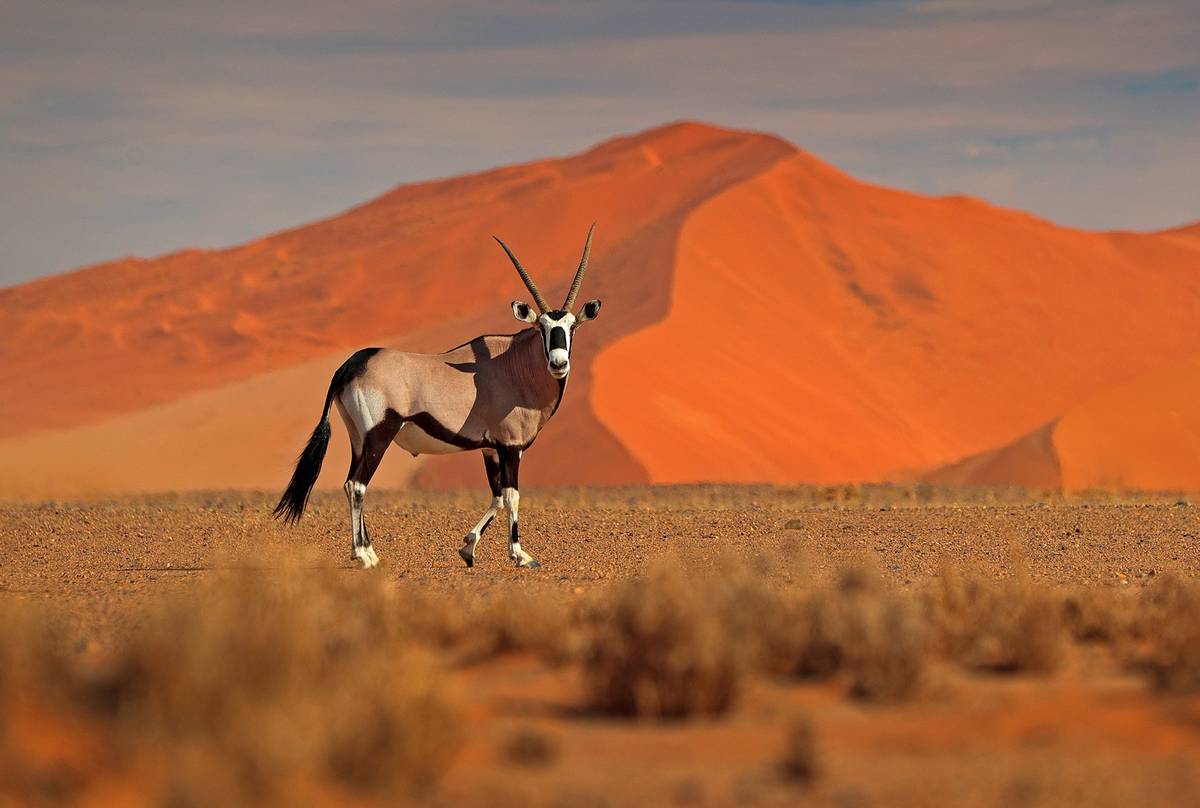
point(140, 128)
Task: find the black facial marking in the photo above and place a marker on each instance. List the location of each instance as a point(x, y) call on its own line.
point(557, 314)
point(558, 338)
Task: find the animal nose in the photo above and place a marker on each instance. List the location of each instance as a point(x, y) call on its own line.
point(558, 364)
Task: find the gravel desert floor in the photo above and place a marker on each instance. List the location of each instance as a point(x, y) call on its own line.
point(699, 645)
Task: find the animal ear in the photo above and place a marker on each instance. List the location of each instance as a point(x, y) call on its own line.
point(523, 312)
point(589, 310)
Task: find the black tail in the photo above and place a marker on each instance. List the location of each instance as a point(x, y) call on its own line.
point(308, 468)
point(308, 465)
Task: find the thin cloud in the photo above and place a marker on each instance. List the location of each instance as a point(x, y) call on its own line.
point(285, 112)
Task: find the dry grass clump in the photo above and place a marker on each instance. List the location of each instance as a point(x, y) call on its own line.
point(661, 648)
point(801, 759)
point(254, 689)
point(1004, 626)
point(859, 628)
point(1099, 615)
point(528, 746)
point(1168, 625)
point(517, 621)
point(670, 646)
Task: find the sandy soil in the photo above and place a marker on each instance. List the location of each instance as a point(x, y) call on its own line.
point(103, 557)
point(1091, 733)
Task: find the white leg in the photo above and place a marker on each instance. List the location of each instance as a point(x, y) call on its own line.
point(355, 492)
point(467, 551)
point(512, 503)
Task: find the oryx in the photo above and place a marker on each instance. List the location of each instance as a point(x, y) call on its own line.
point(494, 393)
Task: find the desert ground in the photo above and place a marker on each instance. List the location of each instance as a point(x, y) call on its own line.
point(693, 645)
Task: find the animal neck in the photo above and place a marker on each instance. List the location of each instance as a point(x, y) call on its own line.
point(529, 367)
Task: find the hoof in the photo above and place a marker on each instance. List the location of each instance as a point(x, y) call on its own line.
point(366, 556)
point(467, 557)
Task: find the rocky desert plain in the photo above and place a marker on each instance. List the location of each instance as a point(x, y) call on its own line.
point(856, 497)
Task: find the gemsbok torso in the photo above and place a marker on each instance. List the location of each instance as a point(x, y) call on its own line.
point(494, 393)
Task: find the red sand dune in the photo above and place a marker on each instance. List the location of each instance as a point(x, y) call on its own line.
point(766, 318)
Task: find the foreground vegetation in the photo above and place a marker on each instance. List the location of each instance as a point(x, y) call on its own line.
point(284, 686)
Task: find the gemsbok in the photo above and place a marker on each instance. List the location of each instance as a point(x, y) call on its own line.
point(494, 393)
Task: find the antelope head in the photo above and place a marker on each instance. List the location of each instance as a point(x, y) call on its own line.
point(557, 325)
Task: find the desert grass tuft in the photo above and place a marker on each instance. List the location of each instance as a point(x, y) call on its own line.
point(661, 648)
point(1168, 625)
point(1098, 615)
point(1011, 626)
point(528, 746)
point(257, 685)
point(858, 627)
point(801, 760)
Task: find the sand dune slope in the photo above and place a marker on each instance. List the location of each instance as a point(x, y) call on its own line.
point(824, 330)
point(766, 317)
point(416, 269)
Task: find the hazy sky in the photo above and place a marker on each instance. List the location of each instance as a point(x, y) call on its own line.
point(140, 128)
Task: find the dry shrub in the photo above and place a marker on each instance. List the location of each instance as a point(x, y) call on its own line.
point(261, 685)
point(532, 747)
point(661, 648)
point(801, 760)
point(1005, 626)
point(858, 627)
point(1098, 614)
point(519, 621)
point(1168, 623)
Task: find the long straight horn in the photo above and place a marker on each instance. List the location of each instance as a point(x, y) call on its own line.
point(533, 290)
point(575, 284)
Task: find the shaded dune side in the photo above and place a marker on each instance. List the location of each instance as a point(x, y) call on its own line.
point(242, 435)
point(1140, 435)
point(824, 330)
point(1029, 462)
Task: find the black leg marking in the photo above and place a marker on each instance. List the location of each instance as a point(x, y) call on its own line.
point(363, 467)
point(375, 443)
point(510, 464)
point(491, 464)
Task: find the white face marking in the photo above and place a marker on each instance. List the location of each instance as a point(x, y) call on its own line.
point(556, 332)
